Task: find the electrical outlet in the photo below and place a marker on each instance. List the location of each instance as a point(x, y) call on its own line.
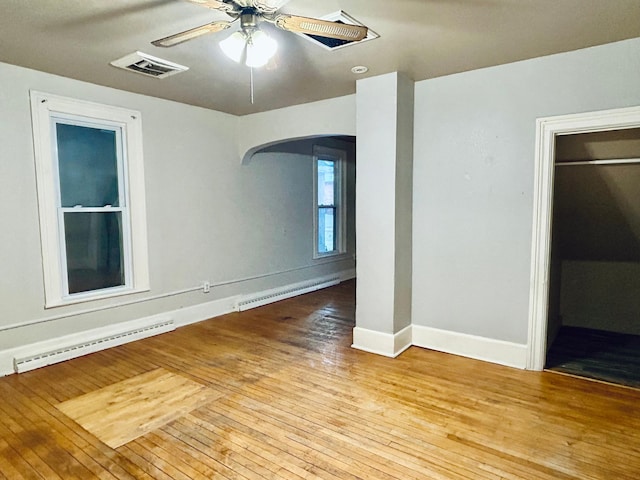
point(206, 287)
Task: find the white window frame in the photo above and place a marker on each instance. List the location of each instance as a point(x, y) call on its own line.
point(340, 158)
point(45, 109)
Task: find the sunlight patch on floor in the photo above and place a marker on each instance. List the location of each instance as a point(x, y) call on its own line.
point(127, 410)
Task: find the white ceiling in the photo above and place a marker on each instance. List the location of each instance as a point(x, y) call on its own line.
point(424, 38)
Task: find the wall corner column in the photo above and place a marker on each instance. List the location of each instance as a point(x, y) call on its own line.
point(384, 191)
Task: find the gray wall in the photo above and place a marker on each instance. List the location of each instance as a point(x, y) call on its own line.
point(209, 217)
point(301, 151)
point(473, 180)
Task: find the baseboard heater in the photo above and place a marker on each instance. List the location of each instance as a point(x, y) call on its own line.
point(276, 294)
point(36, 359)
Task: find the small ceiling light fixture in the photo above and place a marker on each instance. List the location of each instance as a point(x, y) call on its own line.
point(249, 45)
point(360, 69)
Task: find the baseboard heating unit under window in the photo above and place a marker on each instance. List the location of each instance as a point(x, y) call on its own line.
point(93, 342)
point(276, 294)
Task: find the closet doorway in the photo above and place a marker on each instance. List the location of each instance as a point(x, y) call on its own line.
point(594, 307)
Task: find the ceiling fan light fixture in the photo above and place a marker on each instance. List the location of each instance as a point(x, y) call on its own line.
point(233, 46)
point(260, 49)
point(253, 46)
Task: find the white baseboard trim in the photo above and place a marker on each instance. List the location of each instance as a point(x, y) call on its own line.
point(471, 346)
point(203, 311)
point(349, 274)
point(387, 344)
point(81, 343)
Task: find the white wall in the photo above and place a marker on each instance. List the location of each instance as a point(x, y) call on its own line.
point(376, 203)
point(209, 217)
point(335, 116)
point(473, 180)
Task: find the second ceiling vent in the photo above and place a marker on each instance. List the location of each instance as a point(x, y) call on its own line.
point(332, 43)
point(148, 65)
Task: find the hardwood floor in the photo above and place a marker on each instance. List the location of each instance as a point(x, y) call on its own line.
point(292, 400)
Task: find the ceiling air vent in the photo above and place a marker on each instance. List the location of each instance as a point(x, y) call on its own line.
point(333, 43)
point(148, 65)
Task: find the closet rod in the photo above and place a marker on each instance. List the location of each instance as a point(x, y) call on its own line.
point(617, 161)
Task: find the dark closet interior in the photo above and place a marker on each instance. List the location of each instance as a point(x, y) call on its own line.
point(594, 290)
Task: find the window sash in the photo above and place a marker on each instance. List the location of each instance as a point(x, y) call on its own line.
point(125, 251)
point(121, 164)
point(334, 230)
point(321, 186)
point(65, 270)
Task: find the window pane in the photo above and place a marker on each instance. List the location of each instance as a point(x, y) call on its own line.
point(93, 242)
point(326, 229)
point(88, 166)
point(326, 182)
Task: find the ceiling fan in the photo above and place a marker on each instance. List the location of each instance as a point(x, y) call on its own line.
point(251, 12)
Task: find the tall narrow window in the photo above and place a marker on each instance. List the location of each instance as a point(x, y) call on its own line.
point(91, 199)
point(92, 209)
point(329, 216)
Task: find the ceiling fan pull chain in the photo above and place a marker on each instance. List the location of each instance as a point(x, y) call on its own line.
point(251, 83)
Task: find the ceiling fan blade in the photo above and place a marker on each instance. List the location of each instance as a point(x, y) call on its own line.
point(172, 40)
point(214, 5)
point(321, 28)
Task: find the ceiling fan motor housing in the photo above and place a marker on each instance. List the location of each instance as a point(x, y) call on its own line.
point(248, 20)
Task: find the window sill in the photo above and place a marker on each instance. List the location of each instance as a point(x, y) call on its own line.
point(92, 296)
point(333, 255)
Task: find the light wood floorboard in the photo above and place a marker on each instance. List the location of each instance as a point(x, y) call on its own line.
point(294, 401)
